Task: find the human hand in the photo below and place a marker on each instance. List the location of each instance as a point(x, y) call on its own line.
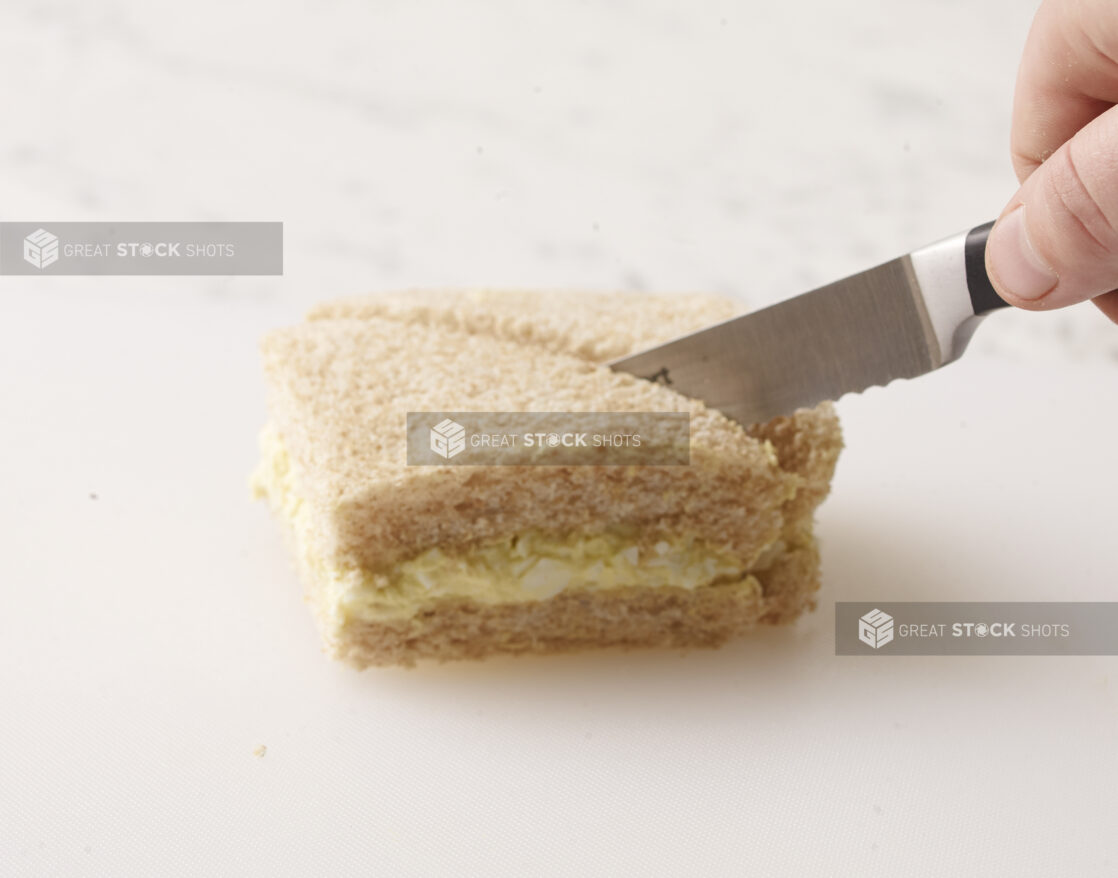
point(1056, 242)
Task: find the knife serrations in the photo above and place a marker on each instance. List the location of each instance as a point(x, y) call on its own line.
point(865, 330)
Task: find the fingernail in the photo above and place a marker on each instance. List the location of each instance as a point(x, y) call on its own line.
point(1014, 262)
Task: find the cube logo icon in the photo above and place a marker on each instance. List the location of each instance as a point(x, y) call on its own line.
point(448, 438)
point(40, 248)
point(875, 629)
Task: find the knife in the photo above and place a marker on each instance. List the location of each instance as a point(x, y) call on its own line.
point(899, 320)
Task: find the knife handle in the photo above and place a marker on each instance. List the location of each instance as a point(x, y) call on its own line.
point(982, 293)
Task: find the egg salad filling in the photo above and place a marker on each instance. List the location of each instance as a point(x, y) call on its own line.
point(523, 567)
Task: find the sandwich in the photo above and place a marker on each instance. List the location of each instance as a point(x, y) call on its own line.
point(408, 562)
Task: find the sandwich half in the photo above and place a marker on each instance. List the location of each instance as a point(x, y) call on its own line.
point(449, 562)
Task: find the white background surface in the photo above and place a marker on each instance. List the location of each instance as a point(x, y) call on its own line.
point(151, 638)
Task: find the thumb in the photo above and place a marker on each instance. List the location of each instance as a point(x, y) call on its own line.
point(1056, 242)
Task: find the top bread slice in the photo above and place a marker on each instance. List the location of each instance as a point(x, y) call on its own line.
point(599, 328)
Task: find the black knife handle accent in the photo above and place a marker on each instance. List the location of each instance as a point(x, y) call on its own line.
point(982, 293)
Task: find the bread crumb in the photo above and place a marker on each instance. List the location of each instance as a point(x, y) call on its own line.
point(259, 750)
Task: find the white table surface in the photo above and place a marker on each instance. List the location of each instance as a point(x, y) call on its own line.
point(152, 638)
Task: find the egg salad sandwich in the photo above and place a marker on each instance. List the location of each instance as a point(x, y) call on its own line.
point(404, 562)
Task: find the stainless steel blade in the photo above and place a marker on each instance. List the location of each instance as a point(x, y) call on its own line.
point(868, 329)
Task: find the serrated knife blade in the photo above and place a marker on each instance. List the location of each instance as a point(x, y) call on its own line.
point(900, 319)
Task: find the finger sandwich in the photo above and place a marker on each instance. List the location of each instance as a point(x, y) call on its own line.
point(403, 563)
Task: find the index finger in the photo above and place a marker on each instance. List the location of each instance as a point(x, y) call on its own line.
point(1068, 76)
